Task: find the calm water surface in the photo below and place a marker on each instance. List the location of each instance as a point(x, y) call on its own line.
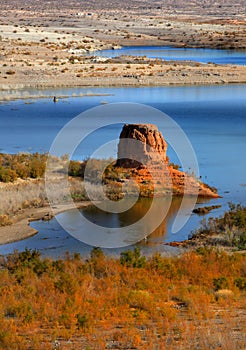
point(213, 117)
point(179, 54)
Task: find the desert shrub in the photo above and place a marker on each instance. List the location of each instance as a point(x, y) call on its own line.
point(75, 168)
point(139, 299)
point(97, 253)
point(37, 167)
point(175, 166)
point(163, 266)
point(70, 304)
point(21, 170)
point(27, 259)
point(5, 220)
point(96, 168)
point(220, 283)
point(240, 240)
point(97, 263)
point(66, 283)
point(13, 166)
point(7, 175)
point(240, 283)
point(133, 258)
point(82, 321)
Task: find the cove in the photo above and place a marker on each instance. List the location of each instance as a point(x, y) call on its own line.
point(202, 55)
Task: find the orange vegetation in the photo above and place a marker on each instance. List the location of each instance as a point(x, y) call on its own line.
point(194, 301)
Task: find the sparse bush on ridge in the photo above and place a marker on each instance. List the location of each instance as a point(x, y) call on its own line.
point(25, 165)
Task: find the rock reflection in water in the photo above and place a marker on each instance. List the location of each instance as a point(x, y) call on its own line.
point(161, 210)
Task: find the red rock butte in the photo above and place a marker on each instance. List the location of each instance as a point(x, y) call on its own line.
point(149, 146)
point(142, 151)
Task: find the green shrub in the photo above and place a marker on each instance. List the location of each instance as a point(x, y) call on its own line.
point(82, 321)
point(75, 168)
point(133, 258)
point(220, 283)
point(240, 282)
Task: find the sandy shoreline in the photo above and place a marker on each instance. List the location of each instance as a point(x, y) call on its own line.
point(19, 94)
point(121, 75)
point(21, 229)
point(200, 78)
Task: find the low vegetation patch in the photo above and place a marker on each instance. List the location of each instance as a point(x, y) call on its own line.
point(5, 220)
point(228, 230)
point(193, 301)
point(22, 165)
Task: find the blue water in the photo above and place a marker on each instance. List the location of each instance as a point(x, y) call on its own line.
point(237, 57)
point(213, 118)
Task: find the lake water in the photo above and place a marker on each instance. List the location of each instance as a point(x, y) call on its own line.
point(213, 118)
point(217, 56)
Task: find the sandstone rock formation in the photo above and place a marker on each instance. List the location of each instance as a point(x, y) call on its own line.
point(151, 148)
point(142, 157)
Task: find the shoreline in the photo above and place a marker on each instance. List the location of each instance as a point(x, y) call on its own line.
point(58, 51)
point(18, 91)
point(21, 229)
point(117, 83)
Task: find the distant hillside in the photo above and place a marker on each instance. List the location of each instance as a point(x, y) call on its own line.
point(208, 7)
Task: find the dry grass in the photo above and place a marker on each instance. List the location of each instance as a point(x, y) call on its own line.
point(104, 303)
point(25, 194)
point(21, 195)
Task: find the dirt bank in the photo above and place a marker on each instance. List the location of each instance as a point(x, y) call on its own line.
point(21, 229)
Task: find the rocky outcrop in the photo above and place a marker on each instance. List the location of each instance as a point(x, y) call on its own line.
point(151, 149)
point(205, 210)
point(142, 157)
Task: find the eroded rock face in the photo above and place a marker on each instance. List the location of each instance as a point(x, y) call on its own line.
point(141, 144)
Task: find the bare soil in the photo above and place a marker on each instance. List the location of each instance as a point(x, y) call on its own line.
point(51, 44)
